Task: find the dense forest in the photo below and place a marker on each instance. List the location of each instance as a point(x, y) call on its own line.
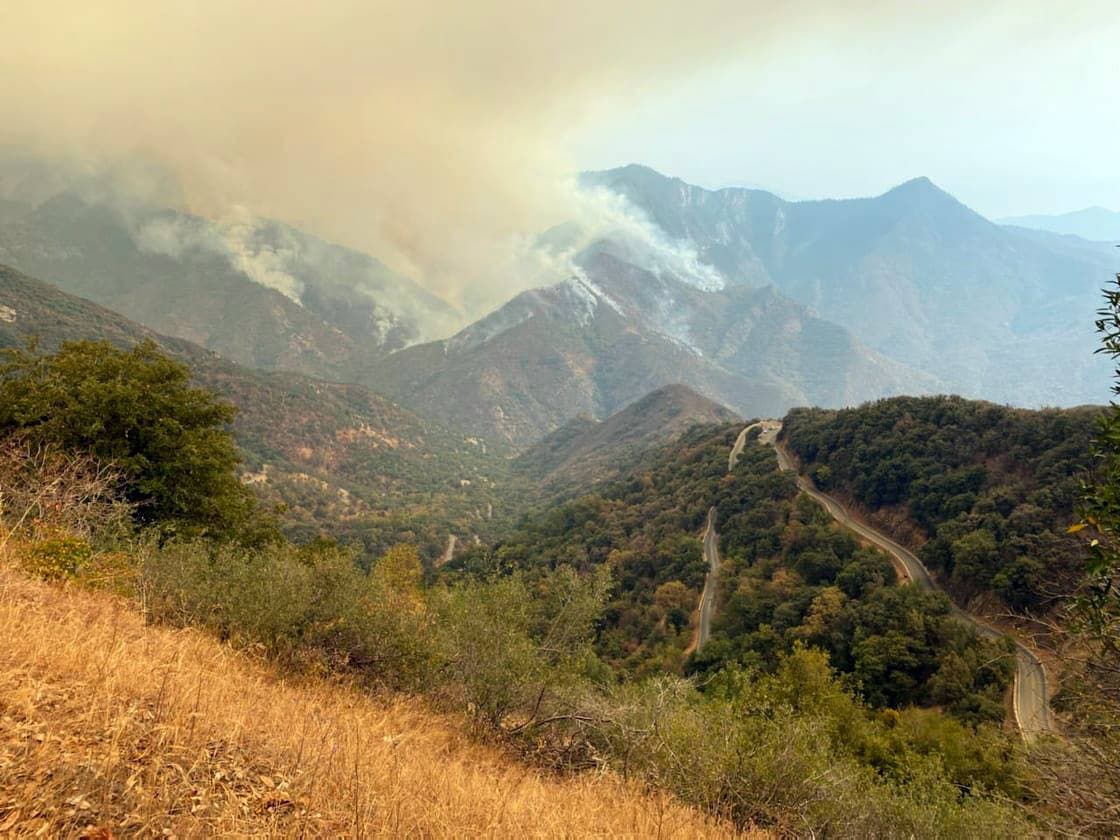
point(987, 492)
point(789, 578)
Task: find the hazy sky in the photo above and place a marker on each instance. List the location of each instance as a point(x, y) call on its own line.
point(436, 134)
point(1014, 108)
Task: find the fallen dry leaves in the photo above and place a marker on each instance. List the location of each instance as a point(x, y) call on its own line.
point(110, 728)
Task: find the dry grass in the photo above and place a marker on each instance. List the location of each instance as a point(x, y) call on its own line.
point(111, 726)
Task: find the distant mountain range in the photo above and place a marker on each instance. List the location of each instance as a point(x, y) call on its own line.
point(613, 333)
point(990, 311)
point(1093, 223)
point(755, 302)
point(259, 293)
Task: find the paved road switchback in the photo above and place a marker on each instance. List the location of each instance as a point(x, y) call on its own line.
point(1030, 699)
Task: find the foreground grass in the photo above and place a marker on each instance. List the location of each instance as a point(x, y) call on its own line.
point(110, 727)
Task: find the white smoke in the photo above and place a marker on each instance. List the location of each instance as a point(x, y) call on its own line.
point(600, 214)
point(238, 238)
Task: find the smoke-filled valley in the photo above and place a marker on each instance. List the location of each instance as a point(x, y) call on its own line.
point(387, 450)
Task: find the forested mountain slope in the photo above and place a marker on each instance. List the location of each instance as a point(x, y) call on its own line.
point(339, 457)
point(585, 451)
point(986, 492)
point(789, 577)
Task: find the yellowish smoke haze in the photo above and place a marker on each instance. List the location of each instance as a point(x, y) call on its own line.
point(429, 134)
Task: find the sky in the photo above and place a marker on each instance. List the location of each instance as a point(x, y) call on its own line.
point(440, 136)
point(1013, 108)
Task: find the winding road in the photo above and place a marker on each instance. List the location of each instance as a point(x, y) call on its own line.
point(1030, 701)
point(711, 550)
point(708, 596)
point(740, 442)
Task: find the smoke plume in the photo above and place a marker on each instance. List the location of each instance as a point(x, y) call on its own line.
point(429, 134)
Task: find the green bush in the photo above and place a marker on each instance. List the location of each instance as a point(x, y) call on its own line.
point(136, 410)
point(298, 604)
point(794, 752)
point(508, 650)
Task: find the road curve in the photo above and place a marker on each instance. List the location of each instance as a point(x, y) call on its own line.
point(711, 549)
point(708, 596)
point(711, 552)
point(740, 442)
point(1030, 701)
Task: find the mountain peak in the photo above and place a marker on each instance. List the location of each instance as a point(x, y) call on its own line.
point(631, 172)
point(585, 451)
point(676, 395)
point(921, 185)
point(923, 196)
point(632, 180)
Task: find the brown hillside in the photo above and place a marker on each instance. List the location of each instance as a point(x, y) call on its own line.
point(111, 728)
point(585, 452)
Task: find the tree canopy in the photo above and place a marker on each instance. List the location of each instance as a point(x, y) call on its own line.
point(983, 492)
point(137, 410)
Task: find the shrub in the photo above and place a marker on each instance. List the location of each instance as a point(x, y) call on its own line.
point(310, 606)
point(136, 410)
point(57, 557)
point(511, 651)
point(794, 752)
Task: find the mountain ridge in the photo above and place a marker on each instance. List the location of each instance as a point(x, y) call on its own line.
point(1097, 224)
point(990, 311)
point(258, 292)
point(584, 451)
point(612, 333)
point(336, 454)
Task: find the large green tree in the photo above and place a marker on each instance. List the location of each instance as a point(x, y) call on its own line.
point(137, 410)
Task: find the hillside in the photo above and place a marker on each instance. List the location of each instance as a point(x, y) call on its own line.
point(257, 292)
point(600, 340)
point(990, 311)
point(882, 729)
point(585, 452)
point(984, 493)
point(338, 456)
point(113, 727)
point(788, 576)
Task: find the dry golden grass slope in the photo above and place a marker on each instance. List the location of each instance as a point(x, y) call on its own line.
point(112, 728)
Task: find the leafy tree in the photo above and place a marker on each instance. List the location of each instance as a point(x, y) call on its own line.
point(1100, 502)
point(137, 410)
point(974, 556)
